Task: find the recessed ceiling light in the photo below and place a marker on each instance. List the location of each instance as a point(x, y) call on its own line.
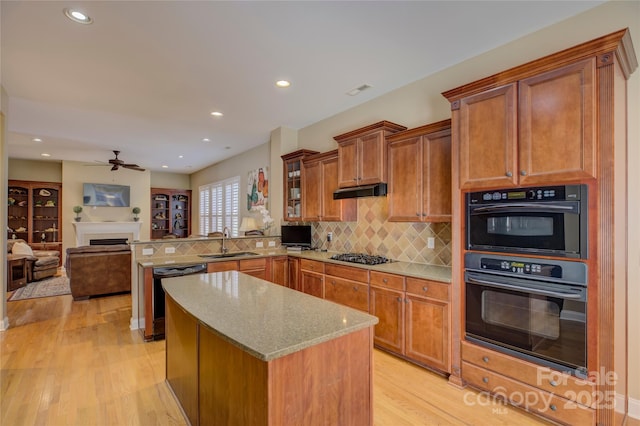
point(77, 16)
point(36, 140)
point(164, 166)
point(217, 114)
point(206, 140)
point(180, 156)
point(283, 83)
point(44, 154)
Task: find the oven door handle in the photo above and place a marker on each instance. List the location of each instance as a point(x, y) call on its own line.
point(525, 289)
point(530, 207)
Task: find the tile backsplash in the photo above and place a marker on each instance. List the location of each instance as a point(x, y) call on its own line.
point(373, 234)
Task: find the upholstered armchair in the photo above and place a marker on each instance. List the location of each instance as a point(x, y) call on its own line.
point(41, 263)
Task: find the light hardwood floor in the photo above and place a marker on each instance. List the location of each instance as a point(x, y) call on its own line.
point(77, 363)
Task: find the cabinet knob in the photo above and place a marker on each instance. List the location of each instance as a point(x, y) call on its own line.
point(356, 179)
point(333, 282)
point(485, 379)
point(355, 288)
point(553, 407)
point(418, 214)
point(509, 174)
point(424, 214)
point(384, 280)
point(399, 299)
point(553, 383)
point(425, 288)
point(523, 172)
point(485, 358)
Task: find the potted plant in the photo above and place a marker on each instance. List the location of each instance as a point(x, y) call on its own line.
point(77, 210)
point(136, 211)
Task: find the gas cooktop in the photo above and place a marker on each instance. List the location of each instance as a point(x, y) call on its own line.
point(363, 258)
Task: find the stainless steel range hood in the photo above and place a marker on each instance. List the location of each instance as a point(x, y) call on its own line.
point(377, 190)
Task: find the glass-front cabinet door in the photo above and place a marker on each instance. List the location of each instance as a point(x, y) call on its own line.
point(293, 193)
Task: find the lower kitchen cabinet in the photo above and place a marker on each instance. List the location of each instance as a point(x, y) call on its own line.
point(229, 265)
point(414, 323)
point(347, 286)
point(259, 268)
point(293, 277)
point(312, 277)
point(279, 270)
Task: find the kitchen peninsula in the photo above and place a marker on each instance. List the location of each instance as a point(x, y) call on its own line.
point(241, 350)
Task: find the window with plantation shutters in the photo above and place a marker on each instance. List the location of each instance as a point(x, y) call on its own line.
point(220, 206)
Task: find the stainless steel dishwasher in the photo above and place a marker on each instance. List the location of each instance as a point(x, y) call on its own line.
point(158, 293)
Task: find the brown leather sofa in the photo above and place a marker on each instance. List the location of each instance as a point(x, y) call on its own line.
point(98, 270)
point(42, 264)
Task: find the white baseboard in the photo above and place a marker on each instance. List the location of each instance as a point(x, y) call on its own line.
point(4, 324)
point(134, 324)
point(634, 406)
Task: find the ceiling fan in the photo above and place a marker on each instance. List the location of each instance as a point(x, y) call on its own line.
point(117, 163)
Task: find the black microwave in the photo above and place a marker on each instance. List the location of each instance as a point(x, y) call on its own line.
point(550, 221)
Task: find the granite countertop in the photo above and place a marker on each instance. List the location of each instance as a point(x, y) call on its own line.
point(410, 269)
point(264, 319)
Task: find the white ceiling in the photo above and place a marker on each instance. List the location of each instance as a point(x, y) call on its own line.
point(144, 77)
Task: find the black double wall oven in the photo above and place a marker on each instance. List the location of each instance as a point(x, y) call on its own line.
point(533, 308)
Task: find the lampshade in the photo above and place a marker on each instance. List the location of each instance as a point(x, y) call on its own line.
point(248, 224)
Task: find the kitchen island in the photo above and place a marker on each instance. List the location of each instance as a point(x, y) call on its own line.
point(241, 350)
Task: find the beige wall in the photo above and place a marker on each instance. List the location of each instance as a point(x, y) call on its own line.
point(170, 180)
point(45, 171)
point(421, 103)
point(240, 165)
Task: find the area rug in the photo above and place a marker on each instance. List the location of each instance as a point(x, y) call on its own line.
point(55, 286)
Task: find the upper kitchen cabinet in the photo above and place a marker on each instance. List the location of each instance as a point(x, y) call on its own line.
point(292, 166)
point(539, 129)
point(362, 154)
point(420, 174)
point(320, 180)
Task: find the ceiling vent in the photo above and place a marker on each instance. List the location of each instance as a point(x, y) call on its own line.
point(358, 90)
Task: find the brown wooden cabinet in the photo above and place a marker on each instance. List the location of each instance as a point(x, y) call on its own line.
point(279, 270)
point(170, 212)
point(312, 277)
point(34, 213)
point(293, 189)
point(259, 267)
point(347, 286)
point(320, 181)
point(413, 323)
point(293, 277)
point(362, 154)
point(538, 130)
point(420, 174)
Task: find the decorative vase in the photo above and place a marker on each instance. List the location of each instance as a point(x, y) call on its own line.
point(77, 218)
point(135, 219)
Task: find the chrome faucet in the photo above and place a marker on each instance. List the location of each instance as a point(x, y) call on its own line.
point(225, 235)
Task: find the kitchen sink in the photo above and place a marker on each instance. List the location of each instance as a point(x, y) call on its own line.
point(226, 255)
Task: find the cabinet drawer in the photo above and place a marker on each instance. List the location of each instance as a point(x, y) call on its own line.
point(395, 282)
point(347, 292)
point(355, 274)
point(428, 288)
point(229, 265)
point(533, 399)
point(312, 265)
point(541, 377)
point(250, 264)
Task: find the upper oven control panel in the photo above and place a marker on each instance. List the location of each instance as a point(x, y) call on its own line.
point(543, 193)
point(520, 267)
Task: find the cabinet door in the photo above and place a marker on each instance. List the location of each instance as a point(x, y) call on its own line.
point(293, 189)
point(331, 209)
point(405, 174)
point(312, 192)
point(228, 265)
point(348, 163)
point(557, 112)
point(488, 138)
point(371, 159)
point(293, 277)
point(279, 269)
point(312, 283)
point(388, 306)
point(427, 331)
point(347, 292)
point(436, 175)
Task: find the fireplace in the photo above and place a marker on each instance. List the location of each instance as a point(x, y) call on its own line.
point(107, 241)
point(87, 231)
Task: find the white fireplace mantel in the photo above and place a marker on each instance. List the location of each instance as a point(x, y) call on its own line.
point(86, 231)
